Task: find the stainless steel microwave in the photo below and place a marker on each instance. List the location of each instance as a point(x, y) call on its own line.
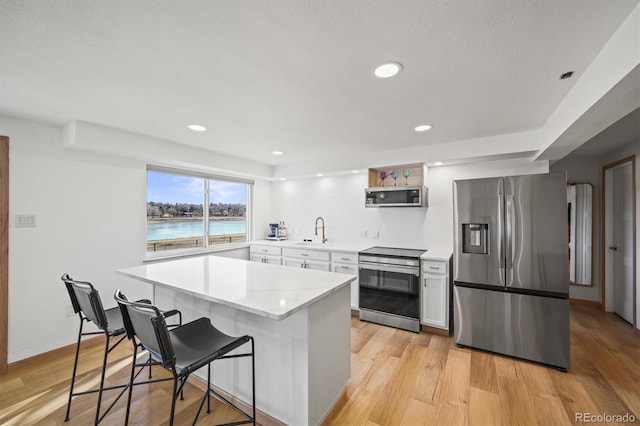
point(396, 196)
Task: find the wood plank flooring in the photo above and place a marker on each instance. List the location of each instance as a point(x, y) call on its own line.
point(397, 378)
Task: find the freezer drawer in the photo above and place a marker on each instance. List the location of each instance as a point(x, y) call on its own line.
point(530, 327)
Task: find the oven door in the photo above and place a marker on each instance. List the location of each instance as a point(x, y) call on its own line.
point(390, 289)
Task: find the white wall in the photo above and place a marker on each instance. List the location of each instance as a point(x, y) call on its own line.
point(90, 216)
point(340, 201)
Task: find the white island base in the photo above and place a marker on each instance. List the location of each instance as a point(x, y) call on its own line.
point(300, 320)
point(302, 361)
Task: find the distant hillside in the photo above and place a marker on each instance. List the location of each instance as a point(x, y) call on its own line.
point(159, 210)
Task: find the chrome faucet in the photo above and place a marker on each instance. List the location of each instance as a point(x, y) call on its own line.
point(324, 240)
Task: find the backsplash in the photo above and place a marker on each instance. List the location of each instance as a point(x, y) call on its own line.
point(340, 201)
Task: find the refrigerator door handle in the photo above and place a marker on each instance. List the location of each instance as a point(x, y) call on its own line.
point(509, 233)
point(501, 237)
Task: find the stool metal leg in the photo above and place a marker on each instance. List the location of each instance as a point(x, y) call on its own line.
point(253, 381)
point(102, 375)
point(177, 390)
point(208, 386)
point(75, 369)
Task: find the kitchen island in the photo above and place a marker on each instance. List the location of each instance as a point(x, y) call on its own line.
point(299, 318)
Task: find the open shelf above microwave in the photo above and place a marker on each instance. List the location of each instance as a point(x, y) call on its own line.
point(396, 196)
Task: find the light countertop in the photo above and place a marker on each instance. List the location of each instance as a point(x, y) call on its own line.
point(431, 254)
point(272, 291)
point(328, 246)
point(439, 255)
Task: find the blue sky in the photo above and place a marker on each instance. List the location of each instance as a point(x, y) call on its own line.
point(169, 188)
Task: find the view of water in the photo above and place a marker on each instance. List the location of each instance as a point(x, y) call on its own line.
point(187, 229)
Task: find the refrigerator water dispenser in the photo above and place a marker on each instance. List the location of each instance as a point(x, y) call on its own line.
point(475, 238)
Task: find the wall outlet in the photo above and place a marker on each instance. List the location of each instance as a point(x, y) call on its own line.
point(70, 312)
point(363, 234)
point(374, 234)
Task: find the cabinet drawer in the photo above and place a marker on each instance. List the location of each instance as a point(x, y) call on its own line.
point(302, 263)
point(433, 267)
point(273, 251)
point(346, 269)
point(274, 260)
point(306, 254)
point(344, 257)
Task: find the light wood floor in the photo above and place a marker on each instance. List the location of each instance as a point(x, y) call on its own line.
point(398, 378)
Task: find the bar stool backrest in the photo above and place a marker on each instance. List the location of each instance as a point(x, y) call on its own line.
point(147, 323)
point(86, 299)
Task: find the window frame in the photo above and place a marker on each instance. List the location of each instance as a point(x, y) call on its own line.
point(207, 177)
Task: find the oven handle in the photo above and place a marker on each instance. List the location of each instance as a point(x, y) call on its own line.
point(388, 268)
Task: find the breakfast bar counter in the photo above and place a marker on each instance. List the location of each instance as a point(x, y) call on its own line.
point(299, 318)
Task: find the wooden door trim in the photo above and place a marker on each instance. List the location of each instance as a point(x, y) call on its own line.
point(631, 159)
point(4, 253)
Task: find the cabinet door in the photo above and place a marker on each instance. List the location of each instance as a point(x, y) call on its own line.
point(434, 300)
point(273, 260)
point(295, 263)
point(318, 266)
point(355, 288)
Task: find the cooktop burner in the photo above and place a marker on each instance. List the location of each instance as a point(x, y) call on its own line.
point(393, 252)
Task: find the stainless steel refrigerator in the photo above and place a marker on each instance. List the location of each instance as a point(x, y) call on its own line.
point(511, 280)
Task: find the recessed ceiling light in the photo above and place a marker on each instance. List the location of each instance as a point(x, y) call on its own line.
point(438, 163)
point(423, 128)
point(277, 152)
point(355, 171)
point(387, 70)
point(197, 127)
point(283, 178)
point(319, 175)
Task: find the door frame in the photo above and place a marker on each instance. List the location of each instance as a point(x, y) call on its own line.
point(606, 232)
point(4, 253)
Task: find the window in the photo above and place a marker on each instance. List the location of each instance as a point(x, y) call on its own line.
point(177, 219)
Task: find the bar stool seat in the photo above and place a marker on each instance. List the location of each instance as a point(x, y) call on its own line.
point(115, 325)
point(197, 343)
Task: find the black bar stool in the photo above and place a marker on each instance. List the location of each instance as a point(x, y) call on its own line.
point(86, 302)
point(182, 350)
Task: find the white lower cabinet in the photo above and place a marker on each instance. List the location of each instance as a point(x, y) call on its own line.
point(435, 293)
point(321, 260)
point(347, 263)
point(265, 254)
point(274, 260)
point(307, 264)
point(307, 259)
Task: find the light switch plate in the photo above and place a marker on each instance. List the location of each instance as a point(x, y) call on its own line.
point(25, 221)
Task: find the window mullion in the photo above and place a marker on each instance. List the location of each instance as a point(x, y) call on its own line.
point(205, 212)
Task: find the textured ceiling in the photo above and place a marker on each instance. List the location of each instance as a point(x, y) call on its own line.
point(296, 75)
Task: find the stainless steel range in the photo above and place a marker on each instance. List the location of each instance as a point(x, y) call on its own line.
point(390, 287)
